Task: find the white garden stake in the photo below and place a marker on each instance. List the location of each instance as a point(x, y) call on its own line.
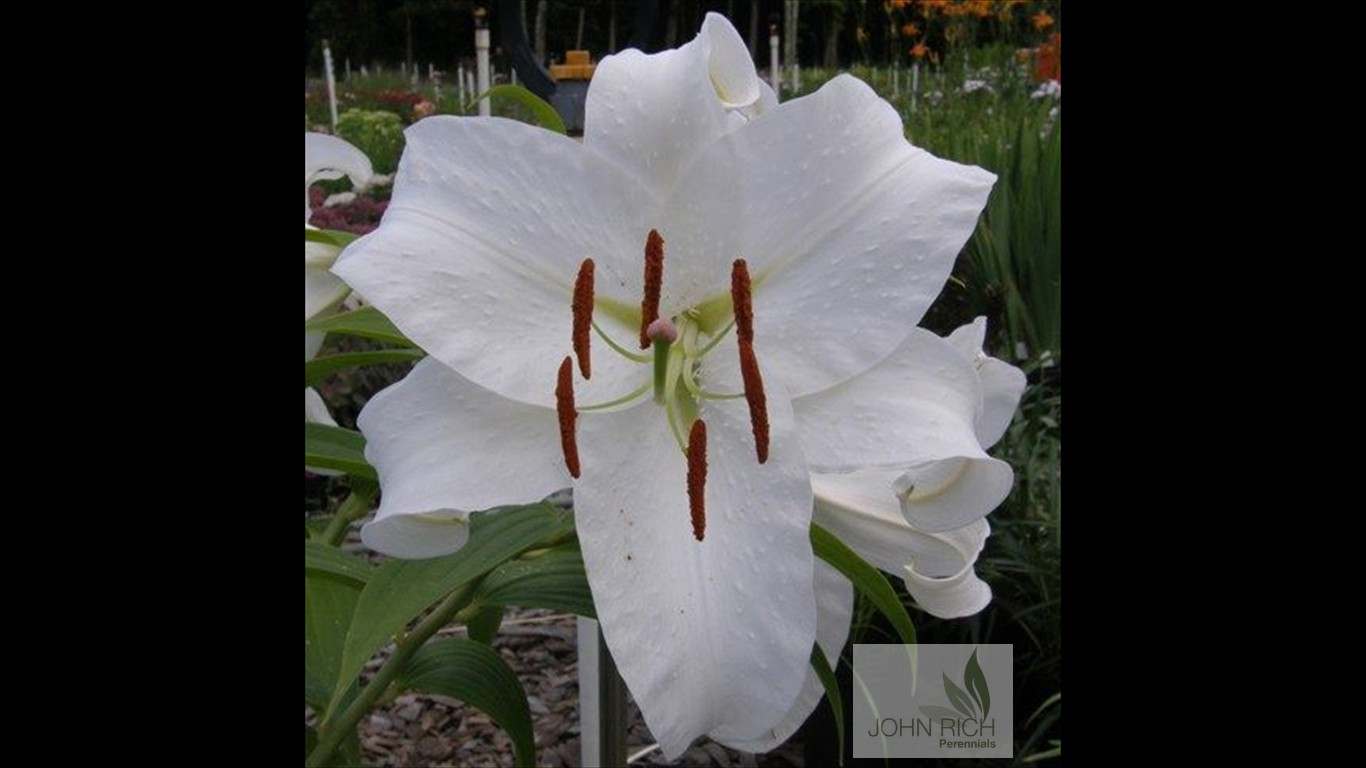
point(331, 84)
point(776, 72)
point(481, 59)
point(915, 84)
point(460, 86)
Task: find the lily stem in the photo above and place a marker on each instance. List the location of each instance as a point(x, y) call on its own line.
point(330, 734)
point(352, 509)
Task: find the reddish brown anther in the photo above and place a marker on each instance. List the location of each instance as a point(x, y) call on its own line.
point(741, 299)
point(564, 408)
point(654, 283)
point(697, 477)
point(754, 395)
point(583, 316)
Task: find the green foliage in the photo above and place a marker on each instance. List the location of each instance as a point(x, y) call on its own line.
point(377, 133)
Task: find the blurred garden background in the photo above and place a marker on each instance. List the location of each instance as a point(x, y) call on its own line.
point(975, 81)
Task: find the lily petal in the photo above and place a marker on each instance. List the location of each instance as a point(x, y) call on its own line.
point(476, 257)
point(653, 113)
point(315, 410)
point(328, 157)
point(322, 292)
point(834, 611)
point(1002, 383)
point(862, 511)
point(952, 597)
point(914, 411)
point(835, 223)
point(712, 636)
point(444, 447)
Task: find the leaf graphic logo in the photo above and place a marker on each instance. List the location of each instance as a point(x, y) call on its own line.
point(971, 698)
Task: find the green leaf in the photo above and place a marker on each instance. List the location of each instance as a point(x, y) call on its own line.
point(310, 740)
point(319, 368)
point(554, 579)
point(322, 559)
point(483, 626)
point(400, 590)
point(475, 674)
point(975, 680)
point(832, 692)
point(366, 322)
point(329, 604)
point(336, 448)
point(333, 237)
point(866, 578)
point(958, 699)
point(546, 116)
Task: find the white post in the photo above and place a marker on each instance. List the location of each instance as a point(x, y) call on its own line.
point(331, 84)
point(469, 86)
point(460, 86)
point(602, 700)
point(776, 72)
point(348, 69)
point(796, 83)
point(915, 84)
point(514, 75)
point(481, 57)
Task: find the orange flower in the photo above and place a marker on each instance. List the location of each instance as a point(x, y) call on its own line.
point(1042, 20)
point(982, 8)
point(919, 50)
point(934, 5)
point(910, 30)
point(899, 4)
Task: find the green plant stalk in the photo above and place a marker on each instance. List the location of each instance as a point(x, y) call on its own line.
point(352, 509)
point(330, 735)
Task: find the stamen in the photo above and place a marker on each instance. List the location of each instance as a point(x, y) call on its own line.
point(754, 395)
point(583, 316)
point(654, 282)
point(697, 477)
point(742, 301)
point(564, 408)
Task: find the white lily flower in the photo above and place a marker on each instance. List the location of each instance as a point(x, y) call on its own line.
point(325, 157)
point(787, 249)
point(923, 522)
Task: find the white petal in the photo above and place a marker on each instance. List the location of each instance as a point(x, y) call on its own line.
point(917, 405)
point(861, 509)
point(478, 251)
point(322, 292)
point(444, 447)
point(957, 594)
point(948, 494)
point(653, 113)
point(849, 231)
point(834, 611)
point(313, 341)
point(315, 410)
point(328, 157)
point(729, 64)
point(1002, 383)
point(711, 636)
